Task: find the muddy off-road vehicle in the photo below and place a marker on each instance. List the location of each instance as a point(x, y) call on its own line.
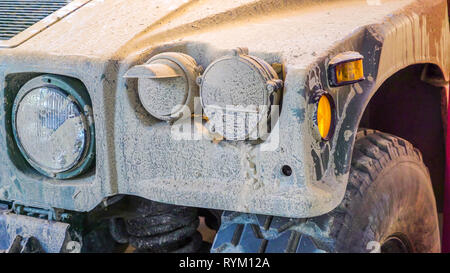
point(285, 126)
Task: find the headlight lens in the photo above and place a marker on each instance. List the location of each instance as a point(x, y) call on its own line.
point(51, 129)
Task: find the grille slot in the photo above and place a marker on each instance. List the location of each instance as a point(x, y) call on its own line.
point(18, 15)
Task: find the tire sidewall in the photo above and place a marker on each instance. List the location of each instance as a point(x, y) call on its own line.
point(399, 201)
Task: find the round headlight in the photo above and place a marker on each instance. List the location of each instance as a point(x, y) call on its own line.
point(237, 93)
point(51, 127)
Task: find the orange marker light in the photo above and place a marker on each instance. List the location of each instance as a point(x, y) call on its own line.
point(346, 68)
point(324, 116)
point(348, 72)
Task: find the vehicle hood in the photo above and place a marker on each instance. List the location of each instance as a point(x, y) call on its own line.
point(113, 29)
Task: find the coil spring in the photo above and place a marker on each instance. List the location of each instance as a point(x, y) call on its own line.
point(157, 227)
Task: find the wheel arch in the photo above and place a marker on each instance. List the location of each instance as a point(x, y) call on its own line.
point(411, 103)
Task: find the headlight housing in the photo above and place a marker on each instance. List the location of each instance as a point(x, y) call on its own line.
point(237, 93)
point(52, 126)
point(166, 84)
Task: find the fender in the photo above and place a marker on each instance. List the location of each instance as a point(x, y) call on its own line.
point(418, 34)
point(402, 40)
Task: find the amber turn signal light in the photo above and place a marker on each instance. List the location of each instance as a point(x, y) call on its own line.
point(324, 116)
point(346, 68)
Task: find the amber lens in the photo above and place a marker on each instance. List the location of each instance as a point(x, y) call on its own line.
point(349, 71)
point(324, 116)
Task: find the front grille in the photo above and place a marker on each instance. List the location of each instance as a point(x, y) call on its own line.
point(18, 15)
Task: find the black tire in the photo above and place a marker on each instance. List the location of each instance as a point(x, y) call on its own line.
point(389, 206)
point(389, 199)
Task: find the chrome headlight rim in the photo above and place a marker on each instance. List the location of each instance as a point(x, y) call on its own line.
point(78, 94)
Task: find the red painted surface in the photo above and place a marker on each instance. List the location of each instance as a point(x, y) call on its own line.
point(446, 227)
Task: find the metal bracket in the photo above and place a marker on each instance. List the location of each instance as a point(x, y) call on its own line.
point(25, 234)
point(432, 75)
point(25, 245)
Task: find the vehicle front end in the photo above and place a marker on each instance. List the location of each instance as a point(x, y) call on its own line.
point(207, 104)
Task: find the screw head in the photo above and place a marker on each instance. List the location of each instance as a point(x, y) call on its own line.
point(286, 170)
point(199, 80)
point(270, 87)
